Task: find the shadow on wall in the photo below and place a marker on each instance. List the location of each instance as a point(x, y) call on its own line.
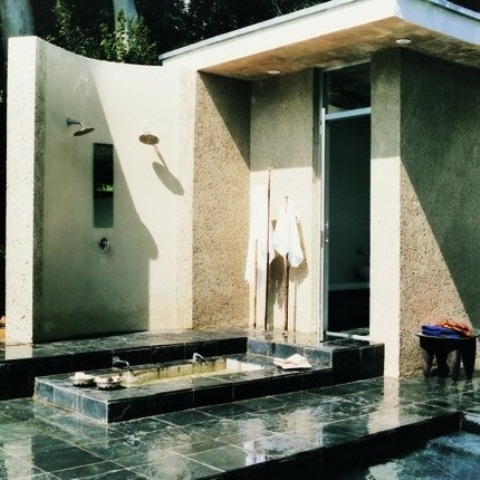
point(440, 157)
point(166, 176)
point(232, 101)
point(133, 249)
point(96, 291)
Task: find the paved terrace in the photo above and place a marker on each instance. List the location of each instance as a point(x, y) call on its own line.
point(323, 430)
point(319, 432)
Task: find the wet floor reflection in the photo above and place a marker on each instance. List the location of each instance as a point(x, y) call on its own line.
point(38, 441)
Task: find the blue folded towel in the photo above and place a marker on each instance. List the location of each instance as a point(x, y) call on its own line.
point(437, 331)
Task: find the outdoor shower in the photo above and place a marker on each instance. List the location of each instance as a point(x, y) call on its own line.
point(83, 130)
point(148, 139)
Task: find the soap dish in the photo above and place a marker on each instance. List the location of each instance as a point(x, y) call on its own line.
point(81, 379)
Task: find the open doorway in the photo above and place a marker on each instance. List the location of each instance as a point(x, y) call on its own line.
point(347, 201)
point(349, 225)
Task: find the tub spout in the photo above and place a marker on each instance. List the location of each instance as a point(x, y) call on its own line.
point(197, 358)
point(119, 363)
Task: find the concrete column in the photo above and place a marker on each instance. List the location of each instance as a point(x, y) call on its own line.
point(220, 202)
point(425, 197)
point(25, 177)
point(385, 208)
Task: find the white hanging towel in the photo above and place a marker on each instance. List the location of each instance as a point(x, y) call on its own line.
point(286, 239)
point(259, 244)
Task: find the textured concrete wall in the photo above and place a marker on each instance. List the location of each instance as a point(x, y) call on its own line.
point(283, 142)
point(52, 246)
point(220, 202)
point(25, 173)
point(435, 221)
point(440, 224)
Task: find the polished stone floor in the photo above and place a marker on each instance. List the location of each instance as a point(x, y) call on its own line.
point(456, 455)
point(278, 436)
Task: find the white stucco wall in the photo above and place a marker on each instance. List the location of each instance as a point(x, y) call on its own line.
point(59, 282)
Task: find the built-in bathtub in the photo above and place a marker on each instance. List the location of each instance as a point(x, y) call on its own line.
point(153, 374)
point(332, 362)
point(169, 386)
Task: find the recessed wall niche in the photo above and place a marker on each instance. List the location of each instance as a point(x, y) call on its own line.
point(103, 185)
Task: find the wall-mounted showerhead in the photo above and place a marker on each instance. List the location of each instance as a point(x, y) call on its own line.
point(83, 130)
point(149, 139)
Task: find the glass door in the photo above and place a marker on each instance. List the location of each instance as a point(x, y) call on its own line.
point(344, 167)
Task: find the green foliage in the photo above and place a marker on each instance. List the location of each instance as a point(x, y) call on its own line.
point(76, 32)
point(70, 35)
point(128, 43)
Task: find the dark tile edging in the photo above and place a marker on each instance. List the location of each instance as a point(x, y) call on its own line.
point(328, 462)
point(349, 360)
point(116, 407)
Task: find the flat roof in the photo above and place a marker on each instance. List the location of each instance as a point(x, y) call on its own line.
point(335, 33)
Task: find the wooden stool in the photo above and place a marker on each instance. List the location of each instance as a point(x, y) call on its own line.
point(461, 350)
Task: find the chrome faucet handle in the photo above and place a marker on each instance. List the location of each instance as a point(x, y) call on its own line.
point(119, 363)
point(197, 358)
point(104, 244)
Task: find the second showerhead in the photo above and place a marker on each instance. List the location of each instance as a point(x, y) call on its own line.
point(83, 130)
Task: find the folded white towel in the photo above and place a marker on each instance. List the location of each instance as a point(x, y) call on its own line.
point(286, 239)
point(294, 362)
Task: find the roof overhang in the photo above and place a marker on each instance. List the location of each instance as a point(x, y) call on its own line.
point(335, 33)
